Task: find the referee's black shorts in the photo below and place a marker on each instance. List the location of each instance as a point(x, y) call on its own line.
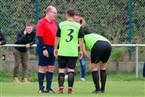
point(100, 52)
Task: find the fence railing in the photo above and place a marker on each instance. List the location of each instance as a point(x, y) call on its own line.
point(114, 45)
point(136, 53)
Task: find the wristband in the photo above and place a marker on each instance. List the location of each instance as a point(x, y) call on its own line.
point(44, 47)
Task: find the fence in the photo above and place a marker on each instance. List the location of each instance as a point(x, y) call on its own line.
point(121, 21)
point(114, 45)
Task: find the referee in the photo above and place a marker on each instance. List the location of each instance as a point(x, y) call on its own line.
point(46, 32)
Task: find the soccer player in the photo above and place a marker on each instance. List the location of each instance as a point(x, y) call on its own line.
point(100, 49)
point(21, 54)
point(80, 20)
point(46, 32)
point(68, 35)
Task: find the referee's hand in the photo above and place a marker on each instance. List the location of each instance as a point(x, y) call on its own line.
point(45, 53)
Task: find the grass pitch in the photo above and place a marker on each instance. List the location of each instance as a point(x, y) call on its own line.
point(81, 89)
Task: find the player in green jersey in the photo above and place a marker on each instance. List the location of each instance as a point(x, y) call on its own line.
point(68, 35)
point(100, 49)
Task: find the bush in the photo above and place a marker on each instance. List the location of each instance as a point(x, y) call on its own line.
point(118, 54)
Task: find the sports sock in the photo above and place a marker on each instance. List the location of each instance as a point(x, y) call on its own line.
point(70, 79)
point(95, 77)
point(143, 73)
point(61, 79)
point(103, 76)
point(41, 79)
point(49, 77)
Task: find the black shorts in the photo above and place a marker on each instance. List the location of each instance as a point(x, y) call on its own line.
point(69, 62)
point(43, 60)
point(100, 52)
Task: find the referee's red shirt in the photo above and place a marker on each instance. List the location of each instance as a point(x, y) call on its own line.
point(47, 30)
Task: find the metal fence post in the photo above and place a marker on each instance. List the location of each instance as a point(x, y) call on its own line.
point(130, 28)
point(37, 9)
point(136, 61)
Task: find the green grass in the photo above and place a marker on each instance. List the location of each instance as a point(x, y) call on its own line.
point(82, 89)
point(111, 76)
point(119, 84)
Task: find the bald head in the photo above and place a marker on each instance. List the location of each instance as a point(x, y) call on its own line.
point(49, 8)
point(51, 13)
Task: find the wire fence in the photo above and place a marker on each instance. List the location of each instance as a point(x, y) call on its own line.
point(121, 21)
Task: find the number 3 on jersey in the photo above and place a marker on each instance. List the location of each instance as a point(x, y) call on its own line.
point(70, 35)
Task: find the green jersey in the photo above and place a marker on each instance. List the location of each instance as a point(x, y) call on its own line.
point(68, 45)
point(91, 39)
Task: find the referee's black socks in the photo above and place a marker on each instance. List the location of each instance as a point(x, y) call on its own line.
point(49, 77)
point(41, 80)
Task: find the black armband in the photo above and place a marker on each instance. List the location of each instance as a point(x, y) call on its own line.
point(41, 42)
point(44, 47)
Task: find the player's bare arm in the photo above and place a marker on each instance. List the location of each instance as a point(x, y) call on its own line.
point(86, 54)
point(56, 46)
point(81, 48)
